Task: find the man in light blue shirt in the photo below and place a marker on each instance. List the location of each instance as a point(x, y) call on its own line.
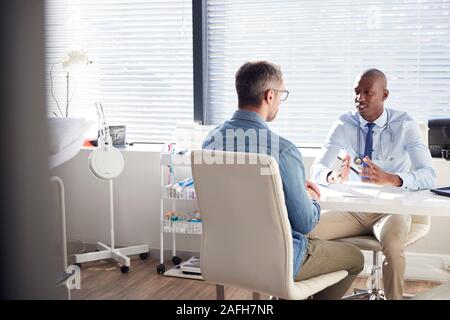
point(260, 90)
point(387, 147)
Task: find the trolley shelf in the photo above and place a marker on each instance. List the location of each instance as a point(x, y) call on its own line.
point(184, 227)
point(185, 194)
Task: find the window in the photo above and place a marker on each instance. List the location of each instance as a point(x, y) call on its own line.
point(142, 62)
point(321, 46)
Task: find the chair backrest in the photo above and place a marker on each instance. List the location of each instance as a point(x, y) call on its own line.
point(425, 220)
point(247, 239)
point(420, 226)
point(423, 126)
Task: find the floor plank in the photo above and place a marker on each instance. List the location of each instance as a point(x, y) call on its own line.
point(103, 280)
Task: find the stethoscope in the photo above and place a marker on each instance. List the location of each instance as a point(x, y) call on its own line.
point(387, 130)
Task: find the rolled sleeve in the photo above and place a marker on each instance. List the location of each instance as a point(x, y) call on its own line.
point(302, 211)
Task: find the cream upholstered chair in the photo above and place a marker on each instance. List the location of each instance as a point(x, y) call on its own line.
point(247, 241)
point(420, 225)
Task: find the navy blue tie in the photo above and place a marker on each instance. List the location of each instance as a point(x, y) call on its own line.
point(369, 142)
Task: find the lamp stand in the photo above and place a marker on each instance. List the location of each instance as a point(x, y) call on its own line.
point(67, 94)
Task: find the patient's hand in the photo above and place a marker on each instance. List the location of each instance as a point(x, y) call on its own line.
point(312, 189)
point(312, 194)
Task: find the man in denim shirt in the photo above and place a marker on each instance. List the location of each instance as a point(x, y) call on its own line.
point(260, 90)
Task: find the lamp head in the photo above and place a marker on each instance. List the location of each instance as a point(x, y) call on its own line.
point(106, 162)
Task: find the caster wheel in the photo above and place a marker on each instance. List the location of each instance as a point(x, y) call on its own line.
point(143, 256)
point(176, 260)
point(161, 268)
point(124, 269)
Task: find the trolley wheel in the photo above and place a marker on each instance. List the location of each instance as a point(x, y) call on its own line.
point(176, 260)
point(161, 268)
point(124, 269)
point(143, 256)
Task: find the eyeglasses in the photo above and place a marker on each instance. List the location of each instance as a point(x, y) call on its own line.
point(284, 94)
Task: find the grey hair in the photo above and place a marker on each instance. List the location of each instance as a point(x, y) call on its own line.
point(253, 79)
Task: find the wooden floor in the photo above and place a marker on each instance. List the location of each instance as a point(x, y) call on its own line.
point(103, 280)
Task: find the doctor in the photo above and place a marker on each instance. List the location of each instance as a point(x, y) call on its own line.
point(387, 147)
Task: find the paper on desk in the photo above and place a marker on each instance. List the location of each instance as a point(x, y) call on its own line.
point(354, 190)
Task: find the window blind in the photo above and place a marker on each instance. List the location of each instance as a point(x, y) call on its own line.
point(141, 69)
point(321, 46)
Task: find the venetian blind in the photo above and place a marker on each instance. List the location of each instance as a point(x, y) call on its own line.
point(141, 69)
point(321, 46)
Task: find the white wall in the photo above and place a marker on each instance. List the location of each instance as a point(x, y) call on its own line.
point(137, 203)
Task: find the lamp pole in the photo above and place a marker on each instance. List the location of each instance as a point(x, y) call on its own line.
point(67, 94)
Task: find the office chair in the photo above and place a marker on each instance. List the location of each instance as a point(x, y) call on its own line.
point(420, 225)
point(247, 241)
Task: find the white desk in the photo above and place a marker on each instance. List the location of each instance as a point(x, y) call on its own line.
point(365, 197)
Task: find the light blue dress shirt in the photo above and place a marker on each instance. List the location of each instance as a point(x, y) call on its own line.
point(303, 213)
point(398, 148)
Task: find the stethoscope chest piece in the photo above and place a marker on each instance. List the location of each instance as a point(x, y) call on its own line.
point(358, 161)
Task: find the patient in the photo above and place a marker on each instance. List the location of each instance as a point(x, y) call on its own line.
point(260, 90)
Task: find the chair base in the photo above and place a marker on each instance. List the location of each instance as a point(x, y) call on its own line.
point(371, 294)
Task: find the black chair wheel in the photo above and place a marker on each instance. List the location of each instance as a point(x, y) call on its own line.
point(176, 260)
point(144, 255)
point(161, 268)
point(124, 269)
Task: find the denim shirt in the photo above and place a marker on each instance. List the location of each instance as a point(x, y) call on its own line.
point(303, 212)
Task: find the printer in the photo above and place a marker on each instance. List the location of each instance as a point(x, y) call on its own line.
point(439, 137)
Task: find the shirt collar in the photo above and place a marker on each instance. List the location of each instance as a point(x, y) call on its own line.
point(249, 116)
point(379, 122)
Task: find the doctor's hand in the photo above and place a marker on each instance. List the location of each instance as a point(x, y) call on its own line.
point(345, 167)
point(312, 189)
point(342, 174)
point(374, 174)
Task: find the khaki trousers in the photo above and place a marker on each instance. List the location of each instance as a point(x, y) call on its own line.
point(327, 256)
point(390, 230)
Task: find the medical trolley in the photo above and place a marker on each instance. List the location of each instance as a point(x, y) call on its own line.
point(172, 192)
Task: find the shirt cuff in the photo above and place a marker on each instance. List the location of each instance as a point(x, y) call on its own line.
point(315, 203)
point(407, 181)
point(323, 177)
